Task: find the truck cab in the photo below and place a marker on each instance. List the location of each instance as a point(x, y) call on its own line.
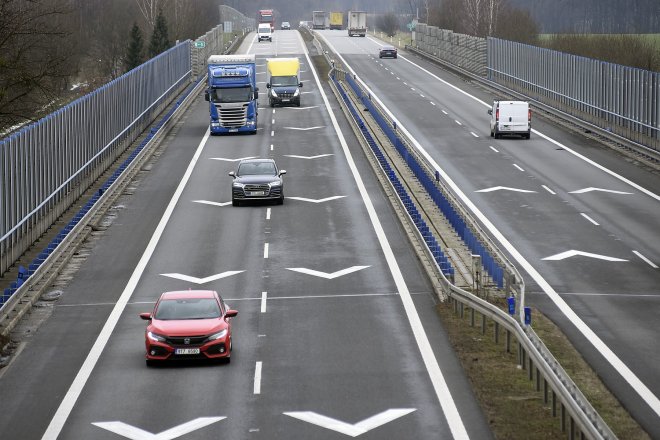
point(232, 93)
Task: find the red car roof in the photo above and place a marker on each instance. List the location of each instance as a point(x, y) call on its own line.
point(181, 294)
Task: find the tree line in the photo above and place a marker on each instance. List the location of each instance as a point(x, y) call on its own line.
point(52, 51)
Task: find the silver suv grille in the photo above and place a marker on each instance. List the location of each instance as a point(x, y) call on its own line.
point(256, 187)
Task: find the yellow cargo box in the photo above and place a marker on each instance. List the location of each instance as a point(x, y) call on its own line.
point(336, 20)
point(283, 66)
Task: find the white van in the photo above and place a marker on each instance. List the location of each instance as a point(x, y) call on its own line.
point(264, 32)
point(510, 117)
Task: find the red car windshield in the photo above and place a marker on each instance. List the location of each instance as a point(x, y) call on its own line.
point(189, 308)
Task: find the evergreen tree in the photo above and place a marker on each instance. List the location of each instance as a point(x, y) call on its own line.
point(134, 52)
point(159, 39)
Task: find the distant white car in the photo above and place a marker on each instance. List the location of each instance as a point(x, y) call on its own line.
point(285, 25)
point(510, 117)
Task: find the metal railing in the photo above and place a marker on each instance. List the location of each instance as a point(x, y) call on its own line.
point(47, 165)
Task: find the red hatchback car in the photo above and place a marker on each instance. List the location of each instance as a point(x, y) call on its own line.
point(189, 324)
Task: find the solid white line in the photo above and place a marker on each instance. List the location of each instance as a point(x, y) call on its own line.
point(474, 134)
point(267, 213)
point(650, 263)
point(264, 298)
point(257, 378)
point(431, 363)
point(265, 250)
point(549, 190)
point(69, 400)
point(617, 295)
point(549, 139)
point(518, 166)
point(589, 218)
point(644, 392)
point(494, 149)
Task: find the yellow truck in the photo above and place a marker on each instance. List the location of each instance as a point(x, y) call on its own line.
point(283, 81)
point(336, 20)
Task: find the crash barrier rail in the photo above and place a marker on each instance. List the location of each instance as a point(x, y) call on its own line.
point(577, 416)
point(47, 165)
point(423, 229)
point(429, 181)
point(618, 101)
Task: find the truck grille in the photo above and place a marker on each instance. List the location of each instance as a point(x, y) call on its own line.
point(233, 117)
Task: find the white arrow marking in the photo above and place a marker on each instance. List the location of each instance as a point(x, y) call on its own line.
point(224, 159)
point(208, 202)
point(309, 157)
point(128, 431)
point(355, 430)
point(573, 253)
point(300, 108)
point(305, 128)
point(327, 276)
point(498, 188)
point(586, 190)
point(327, 199)
point(195, 280)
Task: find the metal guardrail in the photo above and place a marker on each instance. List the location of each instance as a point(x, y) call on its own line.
point(533, 354)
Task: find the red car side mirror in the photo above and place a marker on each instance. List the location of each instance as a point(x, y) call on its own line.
point(231, 313)
point(145, 316)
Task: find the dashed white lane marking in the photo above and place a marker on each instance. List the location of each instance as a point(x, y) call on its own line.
point(422, 95)
point(271, 147)
point(265, 250)
point(398, 78)
point(458, 122)
point(649, 262)
point(412, 88)
point(548, 190)
point(257, 377)
point(518, 166)
point(264, 298)
point(445, 112)
point(267, 213)
point(589, 218)
point(494, 149)
point(273, 121)
point(474, 134)
point(272, 133)
point(432, 103)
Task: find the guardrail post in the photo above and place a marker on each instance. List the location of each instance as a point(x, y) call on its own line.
point(531, 369)
point(562, 421)
point(508, 341)
point(497, 332)
point(471, 317)
point(538, 380)
point(461, 310)
point(554, 404)
point(571, 425)
point(545, 391)
point(483, 324)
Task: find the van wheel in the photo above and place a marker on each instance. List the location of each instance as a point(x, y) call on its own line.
point(492, 134)
point(528, 135)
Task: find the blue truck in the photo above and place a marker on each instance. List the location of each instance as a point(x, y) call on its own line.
point(232, 93)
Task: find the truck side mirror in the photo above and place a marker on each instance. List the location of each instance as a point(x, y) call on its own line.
point(206, 96)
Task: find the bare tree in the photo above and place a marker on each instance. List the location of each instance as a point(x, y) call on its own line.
point(34, 50)
point(149, 10)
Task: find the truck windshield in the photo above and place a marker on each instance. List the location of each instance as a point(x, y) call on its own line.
point(279, 81)
point(238, 94)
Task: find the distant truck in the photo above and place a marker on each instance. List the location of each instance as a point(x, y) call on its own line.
point(266, 16)
point(283, 81)
point(232, 93)
point(357, 23)
point(319, 20)
point(336, 20)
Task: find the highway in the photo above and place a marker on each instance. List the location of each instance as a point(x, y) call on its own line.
point(336, 333)
point(579, 219)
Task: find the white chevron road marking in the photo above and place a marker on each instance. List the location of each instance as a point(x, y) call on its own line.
point(133, 433)
point(191, 279)
point(327, 199)
point(327, 276)
point(352, 430)
point(504, 188)
point(591, 189)
point(574, 253)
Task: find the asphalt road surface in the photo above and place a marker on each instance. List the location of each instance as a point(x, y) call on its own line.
point(579, 219)
point(336, 334)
